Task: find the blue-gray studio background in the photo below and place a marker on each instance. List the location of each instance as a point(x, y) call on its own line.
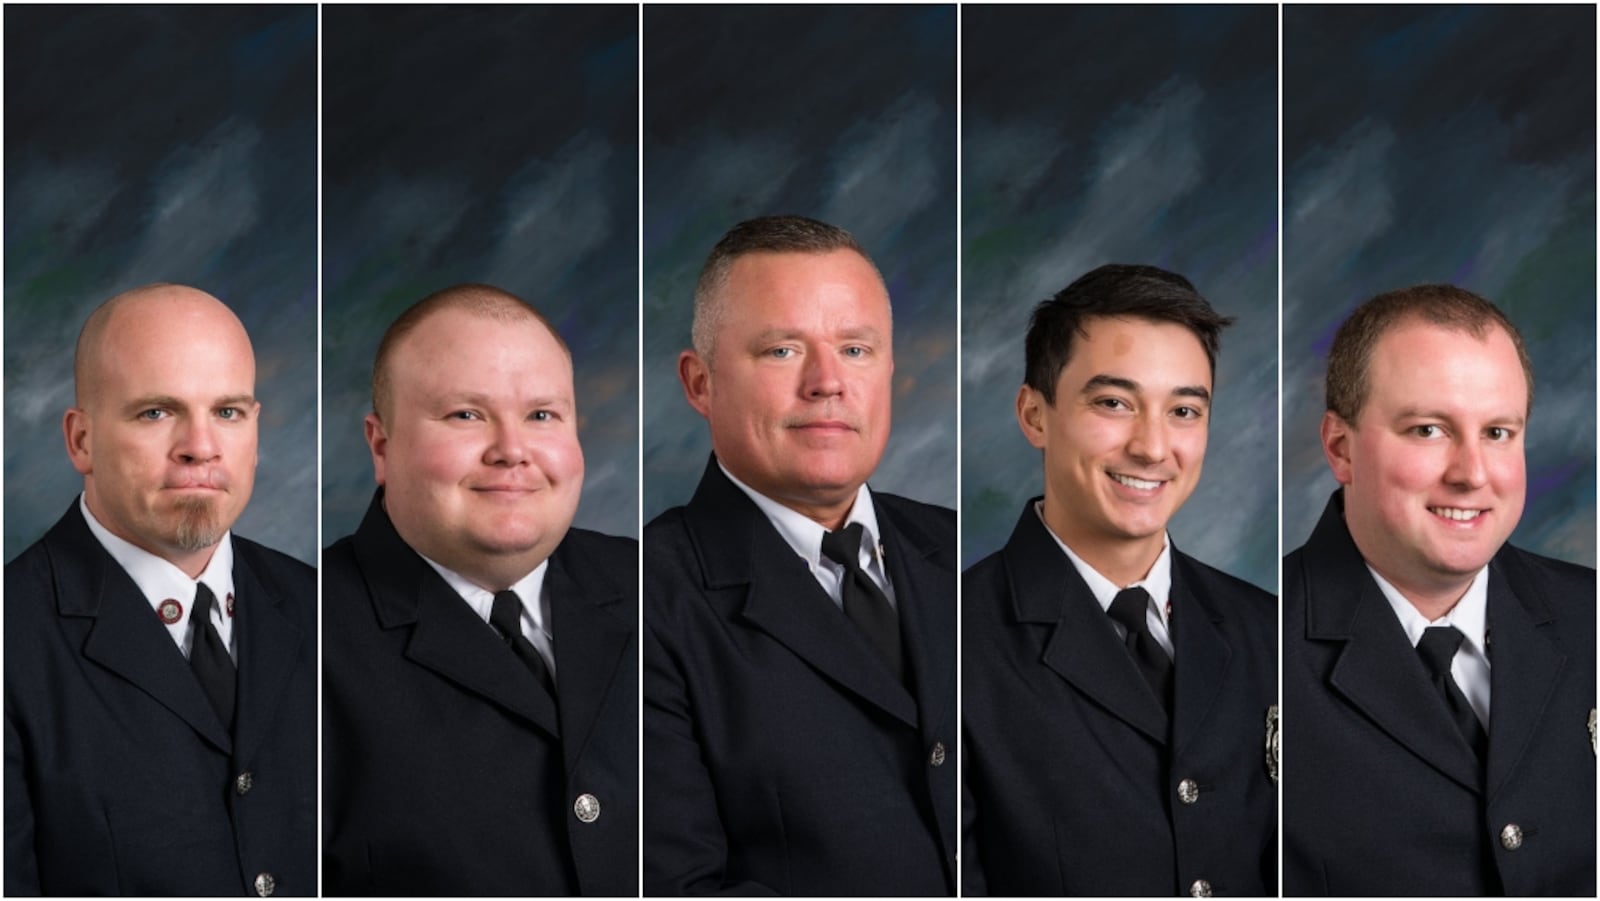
point(842, 113)
point(493, 144)
point(171, 144)
point(1445, 144)
point(1131, 134)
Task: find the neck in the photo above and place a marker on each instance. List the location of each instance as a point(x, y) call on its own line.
point(1123, 561)
point(1432, 601)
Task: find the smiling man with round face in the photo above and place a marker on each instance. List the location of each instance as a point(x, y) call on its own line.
point(478, 647)
point(1424, 656)
point(144, 637)
point(789, 599)
point(1090, 635)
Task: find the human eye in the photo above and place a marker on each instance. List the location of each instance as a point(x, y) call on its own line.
point(543, 416)
point(231, 414)
point(1189, 411)
point(1112, 403)
point(153, 414)
point(781, 353)
point(856, 351)
point(463, 415)
point(1498, 433)
point(1427, 430)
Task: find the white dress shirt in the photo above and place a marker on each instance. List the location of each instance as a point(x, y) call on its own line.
point(535, 616)
point(1157, 583)
point(160, 581)
point(804, 536)
point(1470, 666)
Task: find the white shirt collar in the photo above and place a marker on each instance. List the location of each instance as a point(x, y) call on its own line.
point(529, 589)
point(804, 534)
point(161, 580)
point(1157, 582)
point(1470, 614)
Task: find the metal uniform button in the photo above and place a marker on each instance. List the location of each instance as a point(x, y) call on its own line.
point(1200, 889)
point(245, 781)
point(1511, 837)
point(266, 885)
point(587, 808)
point(1188, 791)
point(936, 756)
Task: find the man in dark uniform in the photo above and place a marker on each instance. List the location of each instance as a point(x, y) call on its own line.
point(1438, 682)
point(480, 674)
point(800, 702)
point(1119, 695)
point(160, 672)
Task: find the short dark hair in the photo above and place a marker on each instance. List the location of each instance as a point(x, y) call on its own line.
point(1115, 289)
point(765, 234)
point(483, 301)
point(1446, 306)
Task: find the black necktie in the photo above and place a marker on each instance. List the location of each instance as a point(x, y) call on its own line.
point(864, 603)
point(1129, 608)
point(1438, 648)
point(208, 657)
point(506, 617)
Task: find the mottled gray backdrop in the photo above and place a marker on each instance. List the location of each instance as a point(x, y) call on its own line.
point(1139, 134)
point(842, 113)
point(1445, 144)
point(492, 144)
point(174, 144)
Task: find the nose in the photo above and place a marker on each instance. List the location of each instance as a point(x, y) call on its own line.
point(1148, 442)
point(822, 376)
point(509, 445)
point(1467, 468)
point(196, 441)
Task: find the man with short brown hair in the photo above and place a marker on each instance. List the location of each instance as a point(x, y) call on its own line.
point(480, 703)
point(160, 671)
point(1438, 682)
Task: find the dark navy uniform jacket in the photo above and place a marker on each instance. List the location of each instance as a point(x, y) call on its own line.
point(1073, 784)
point(781, 755)
point(448, 769)
point(1383, 796)
point(120, 777)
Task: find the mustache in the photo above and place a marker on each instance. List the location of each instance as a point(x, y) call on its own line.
point(807, 419)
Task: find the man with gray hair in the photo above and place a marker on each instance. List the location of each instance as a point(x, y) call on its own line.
point(799, 715)
point(160, 672)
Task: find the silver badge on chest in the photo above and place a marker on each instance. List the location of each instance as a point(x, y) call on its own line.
point(1593, 749)
point(1275, 742)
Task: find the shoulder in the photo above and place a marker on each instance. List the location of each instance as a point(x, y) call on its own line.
point(611, 560)
point(1568, 588)
point(1238, 597)
point(275, 568)
point(936, 519)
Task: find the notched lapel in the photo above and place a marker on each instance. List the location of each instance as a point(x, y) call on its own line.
point(739, 549)
point(1201, 654)
point(268, 646)
point(594, 640)
point(925, 597)
point(1524, 669)
point(126, 637)
point(1083, 647)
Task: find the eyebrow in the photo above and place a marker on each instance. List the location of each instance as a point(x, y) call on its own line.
point(775, 334)
point(1116, 381)
point(167, 400)
point(483, 400)
point(1424, 413)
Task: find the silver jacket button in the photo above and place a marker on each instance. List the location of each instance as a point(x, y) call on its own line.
point(1200, 889)
point(1511, 837)
point(587, 808)
point(266, 885)
point(244, 783)
point(936, 756)
point(1188, 791)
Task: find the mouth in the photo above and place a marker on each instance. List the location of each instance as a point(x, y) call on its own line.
point(1457, 514)
point(837, 425)
point(1136, 483)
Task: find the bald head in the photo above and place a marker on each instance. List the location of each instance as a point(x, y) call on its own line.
point(136, 315)
point(480, 301)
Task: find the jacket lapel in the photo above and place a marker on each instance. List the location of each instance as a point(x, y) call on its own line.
point(925, 597)
point(269, 645)
point(446, 636)
point(126, 637)
point(595, 640)
point(1083, 647)
point(1377, 671)
point(1523, 671)
point(741, 551)
point(1200, 652)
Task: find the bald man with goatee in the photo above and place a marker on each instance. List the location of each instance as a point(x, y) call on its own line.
point(160, 672)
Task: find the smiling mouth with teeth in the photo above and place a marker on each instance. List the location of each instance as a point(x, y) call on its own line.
point(1131, 482)
point(1455, 513)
